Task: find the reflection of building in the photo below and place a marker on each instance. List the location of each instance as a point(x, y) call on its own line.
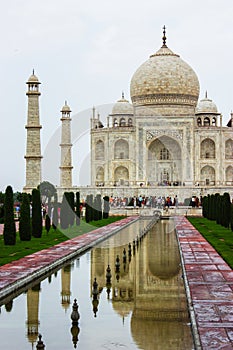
point(33, 295)
point(150, 287)
point(65, 284)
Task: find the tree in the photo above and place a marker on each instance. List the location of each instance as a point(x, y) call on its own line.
point(72, 208)
point(47, 191)
point(94, 209)
point(2, 196)
point(18, 197)
point(9, 232)
point(231, 216)
point(55, 213)
point(88, 209)
point(47, 223)
point(226, 210)
point(25, 221)
point(77, 208)
point(106, 207)
point(64, 213)
point(99, 206)
point(36, 214)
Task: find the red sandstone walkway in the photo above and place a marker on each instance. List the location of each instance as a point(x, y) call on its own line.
point(208, 277)
point(18, 273)
point(210, 282)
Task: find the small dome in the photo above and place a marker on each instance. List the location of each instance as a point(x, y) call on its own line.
point(123, 107)
point(33, 79)
point(206, 106)
point(164, 79)
point(65, 108)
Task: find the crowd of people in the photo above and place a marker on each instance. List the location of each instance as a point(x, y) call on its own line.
point(151, 202)
point(143, 201)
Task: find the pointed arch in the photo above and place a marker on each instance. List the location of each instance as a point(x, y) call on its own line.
point(229, 149)
point(100, 175)
point(99, 150)
point(208, 175)
point(121, 175)
point(164, 161)
point(206, 121)
point(208, 149)
point(229, 175)
point(122, 122)
point(121, 149)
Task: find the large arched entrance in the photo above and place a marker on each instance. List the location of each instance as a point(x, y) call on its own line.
point(164, 165)
point(121, 176)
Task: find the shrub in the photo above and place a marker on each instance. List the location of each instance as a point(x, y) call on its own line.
point(55, 213)
point(106, 207)
point(25, 221)
point(9, 232)
point(47, 223)
point(77, 208)
point(36, 214)
point(64, 213)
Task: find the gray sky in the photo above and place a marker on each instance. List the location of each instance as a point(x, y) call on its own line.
point(86, 52)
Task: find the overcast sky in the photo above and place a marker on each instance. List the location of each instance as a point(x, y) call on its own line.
point(86, 52)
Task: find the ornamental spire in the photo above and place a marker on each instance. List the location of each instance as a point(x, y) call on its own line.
point(164, 37)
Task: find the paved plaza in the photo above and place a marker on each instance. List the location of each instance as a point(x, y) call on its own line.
point(208, 279)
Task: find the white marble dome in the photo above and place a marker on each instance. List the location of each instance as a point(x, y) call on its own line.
point(164, 79)
point(206, 106)
point(122, 107)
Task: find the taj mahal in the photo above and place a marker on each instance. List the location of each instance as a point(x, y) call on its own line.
point(166, 141)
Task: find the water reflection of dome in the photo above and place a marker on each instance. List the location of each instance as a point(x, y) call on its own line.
point(122, 308)
point(163, 265)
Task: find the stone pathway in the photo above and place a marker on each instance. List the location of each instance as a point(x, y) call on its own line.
point(209, 280)
point(17, 274)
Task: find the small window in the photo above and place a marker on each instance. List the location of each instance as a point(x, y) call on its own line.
point(122, 122)
point(214, 121)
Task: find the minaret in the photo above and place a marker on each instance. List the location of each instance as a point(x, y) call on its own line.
point(66, 162)
point(33, 296)
point(33, 150)
point(65, 283)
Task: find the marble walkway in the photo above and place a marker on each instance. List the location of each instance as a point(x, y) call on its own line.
point(208, 279)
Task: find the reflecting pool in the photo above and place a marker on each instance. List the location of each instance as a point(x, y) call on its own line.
point(138, 303)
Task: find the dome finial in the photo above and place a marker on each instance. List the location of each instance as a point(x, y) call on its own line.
point(164, 37)
point(206, 94)
point(123, 95)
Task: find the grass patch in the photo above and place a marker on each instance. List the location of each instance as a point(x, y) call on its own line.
point(218, 236)
point(23, 248)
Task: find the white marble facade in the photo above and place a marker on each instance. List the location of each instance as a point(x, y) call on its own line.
point(167, 136)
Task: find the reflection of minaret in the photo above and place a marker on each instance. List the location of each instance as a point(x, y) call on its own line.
point(33, 313)
point(65, 281)
point(66, 162)
point(33, 151)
